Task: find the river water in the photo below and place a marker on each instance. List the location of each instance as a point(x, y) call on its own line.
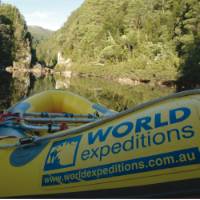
point(15, 87)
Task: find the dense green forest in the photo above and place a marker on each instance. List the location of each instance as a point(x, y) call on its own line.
point(15, 40)
point(147, 38)
point(39, 34)
point(139, 39)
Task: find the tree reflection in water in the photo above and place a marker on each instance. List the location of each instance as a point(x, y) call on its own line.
point(15, 87)
point(5, 90)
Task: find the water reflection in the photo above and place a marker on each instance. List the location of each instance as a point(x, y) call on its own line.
point(116, 96)
point(5, 90)
point(41, 83)
point(62, 82)
point(15, 87)
point(20, 85)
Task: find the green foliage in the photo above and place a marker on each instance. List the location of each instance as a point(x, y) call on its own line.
point(14, 38)
point(110, 30)
point(153, 35)
point(187, 25)
point(6, 41)
point(46, 53)
point(187, 38)
point(190, 67)
point(39, 33)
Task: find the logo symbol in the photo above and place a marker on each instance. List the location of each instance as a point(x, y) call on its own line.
point(63, 154)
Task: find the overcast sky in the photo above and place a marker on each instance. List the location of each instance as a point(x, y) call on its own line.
point(46, 13)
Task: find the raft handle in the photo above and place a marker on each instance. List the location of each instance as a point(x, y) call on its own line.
point(26, 140)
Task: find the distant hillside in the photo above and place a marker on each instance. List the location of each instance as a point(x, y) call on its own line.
point(39, 33)
point(15, 40)
point(150, 37)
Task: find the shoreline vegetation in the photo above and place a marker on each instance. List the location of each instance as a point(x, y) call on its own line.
point(124, 74)
point(106, 72)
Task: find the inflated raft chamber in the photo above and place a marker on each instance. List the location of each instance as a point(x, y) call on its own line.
point(56, 144)
point(50, 111)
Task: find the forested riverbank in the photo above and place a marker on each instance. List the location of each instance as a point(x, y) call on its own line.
point(127, 41)
point(137, 39)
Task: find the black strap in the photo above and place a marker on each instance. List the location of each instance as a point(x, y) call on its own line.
point(49, 128)
point(44, 114)
point(68, 115)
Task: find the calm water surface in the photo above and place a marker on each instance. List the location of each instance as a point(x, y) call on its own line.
point(15, 87)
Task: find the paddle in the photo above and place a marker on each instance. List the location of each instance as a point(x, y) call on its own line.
point(44, 121)
point(68, 115)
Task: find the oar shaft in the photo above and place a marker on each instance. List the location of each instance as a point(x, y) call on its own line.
point(60, 119)
point(39, 128)
point(47, 114)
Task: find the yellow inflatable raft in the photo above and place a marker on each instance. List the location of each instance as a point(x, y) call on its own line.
point(57, 144)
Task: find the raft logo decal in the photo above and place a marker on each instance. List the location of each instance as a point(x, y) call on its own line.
point(63, 154)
